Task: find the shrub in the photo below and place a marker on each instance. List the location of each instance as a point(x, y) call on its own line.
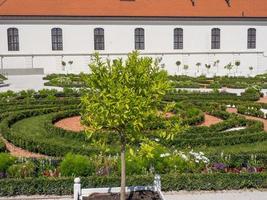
point(21, 170)
point(76, 165)
point(6, 160)
point(252, 93)
point(170, 182)
point(2, 145)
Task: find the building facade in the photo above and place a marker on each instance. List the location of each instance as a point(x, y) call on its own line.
point(194, 42)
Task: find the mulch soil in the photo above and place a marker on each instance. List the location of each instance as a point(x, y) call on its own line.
point(140, 195)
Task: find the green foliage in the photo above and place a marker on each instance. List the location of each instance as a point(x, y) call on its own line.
point(21, 170)
point(2, 146)
point(123, 94)
point(2, 77)
point(6, 160)
point(65, 80)
point(253, 91)
point(76, 165)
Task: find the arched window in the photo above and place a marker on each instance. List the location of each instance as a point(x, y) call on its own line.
point(251, 38)
point(215, 38)
point(57, 40)
point(13, 39)
point(99, 39)
point(178, 38)
point(139, 37)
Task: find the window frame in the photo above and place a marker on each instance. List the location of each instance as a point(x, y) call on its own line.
point(99, 39)
point(178, 38)
point(251, 38)
point(215, 38)
point(13, 39)
point(139, 38)
point(57, 39)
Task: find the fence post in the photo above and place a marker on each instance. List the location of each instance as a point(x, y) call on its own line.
point(77, 189)
point(157, 182)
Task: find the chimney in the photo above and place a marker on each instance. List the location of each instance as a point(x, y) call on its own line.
point(228, 2)
point(193, 2)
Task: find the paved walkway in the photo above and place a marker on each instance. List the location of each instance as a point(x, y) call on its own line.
point(27, 82)
point(183, 195)
point(221, 195)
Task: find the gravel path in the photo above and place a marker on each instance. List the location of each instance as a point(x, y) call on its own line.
point(71, 124)
point(264, 121)
point(182, 195)
point(210, 120)
point(19, 152)
point(220, 195)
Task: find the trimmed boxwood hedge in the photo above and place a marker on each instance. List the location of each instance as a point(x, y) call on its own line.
point(170, 182)
point(2, 146)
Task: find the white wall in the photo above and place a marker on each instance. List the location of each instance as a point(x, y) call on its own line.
point(78, 43)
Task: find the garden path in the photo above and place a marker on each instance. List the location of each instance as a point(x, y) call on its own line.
point(19, 152)
point(262, 100)
point(210, 120)
point(264, 121)
point(71, 124)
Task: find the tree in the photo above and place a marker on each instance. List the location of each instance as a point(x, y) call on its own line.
point(229, 67)
point(250, 69)
point(121, 96)
point(208, 68)
point(237, 64)
point(178, 63)
point(186, 68)
point(198, 65)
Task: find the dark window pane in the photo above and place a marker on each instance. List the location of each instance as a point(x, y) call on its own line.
point(13, 39)
point(251, 44)
point(99, 39)
point(139, 38)
point(57, 39)
point(215, 38)
point(178, 38)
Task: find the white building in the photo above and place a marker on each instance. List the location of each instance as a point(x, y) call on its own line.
point(37, 35)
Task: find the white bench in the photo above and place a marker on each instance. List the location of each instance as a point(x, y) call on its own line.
point(79, 193)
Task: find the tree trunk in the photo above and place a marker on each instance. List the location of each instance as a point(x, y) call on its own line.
point(123, 169)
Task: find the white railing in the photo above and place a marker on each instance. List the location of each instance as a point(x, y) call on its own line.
point(79, 193)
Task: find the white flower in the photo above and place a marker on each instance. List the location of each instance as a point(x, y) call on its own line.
point(164, 155)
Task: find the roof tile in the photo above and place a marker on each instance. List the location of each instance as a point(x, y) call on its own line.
point(137, 8)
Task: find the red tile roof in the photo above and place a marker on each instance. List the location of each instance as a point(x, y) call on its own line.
point(139, 8)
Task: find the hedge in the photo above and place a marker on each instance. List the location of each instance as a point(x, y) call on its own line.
point(2, 146)
point(170, 182)
point(53, 148)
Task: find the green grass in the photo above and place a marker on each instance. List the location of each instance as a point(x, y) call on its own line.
point(33, 129)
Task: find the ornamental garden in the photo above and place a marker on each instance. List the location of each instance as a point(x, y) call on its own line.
point(195, 140)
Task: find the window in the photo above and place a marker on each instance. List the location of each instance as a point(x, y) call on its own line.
point(13, 39)
point(139, 36)
point(57, 41)
point(252, 38)
point(99, 39)
point(178, 38)
point(215, 38)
